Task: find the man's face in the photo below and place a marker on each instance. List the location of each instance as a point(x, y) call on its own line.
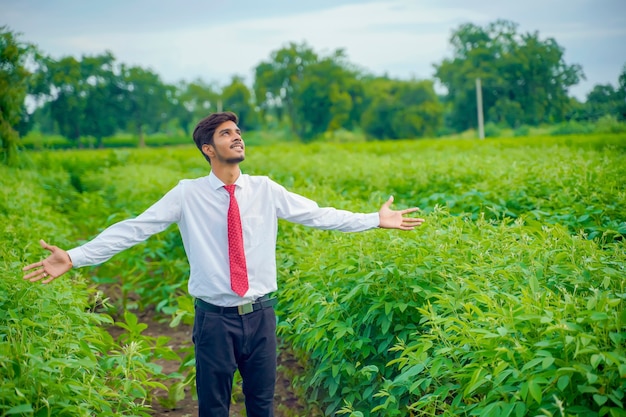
point(228, 145)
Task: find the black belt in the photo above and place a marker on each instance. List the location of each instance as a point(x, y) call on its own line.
point(259, 304)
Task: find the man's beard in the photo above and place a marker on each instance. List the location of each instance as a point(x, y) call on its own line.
point(235, 160)
point(232, 160)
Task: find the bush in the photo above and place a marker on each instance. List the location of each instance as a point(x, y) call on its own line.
point(572, 128)
point(56, 358)
point(492, 130)
point(610, 124)
point(522, 131)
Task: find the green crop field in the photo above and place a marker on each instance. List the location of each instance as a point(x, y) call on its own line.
point(509, 301)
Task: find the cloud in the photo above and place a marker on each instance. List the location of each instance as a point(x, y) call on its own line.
point(378, 36)
point(208, 39)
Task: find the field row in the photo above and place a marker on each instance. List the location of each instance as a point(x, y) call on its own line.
point(508, 301)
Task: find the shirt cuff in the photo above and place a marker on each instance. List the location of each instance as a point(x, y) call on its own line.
point(373, 219)
point(77, 256)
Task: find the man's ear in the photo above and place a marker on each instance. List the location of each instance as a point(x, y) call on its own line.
point(208, 150)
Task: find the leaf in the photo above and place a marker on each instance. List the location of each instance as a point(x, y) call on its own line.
point(535, 390)
point(410, 373)
point(533, 284)
point(600, 399)
point(596, 360)
point(332, 387)
point(547, 362)
point(388, 308)
point(477, 380)
point(28, 322)
point(599, 316)
point(177, 392)
point(19, 409)
point(532, 363)
point(592, 378)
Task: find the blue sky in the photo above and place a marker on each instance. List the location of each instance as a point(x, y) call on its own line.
point(214, 40)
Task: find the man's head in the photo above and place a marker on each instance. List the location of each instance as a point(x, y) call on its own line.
point(216, 134)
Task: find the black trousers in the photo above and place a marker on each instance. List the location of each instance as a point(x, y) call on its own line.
point(225, 342)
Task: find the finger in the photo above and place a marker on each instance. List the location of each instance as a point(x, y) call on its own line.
point(412, 223)
point(413, 220)
point(409, 210)
point(31, 275)
point(50, 278)
point(33, 265)
point(36, 275)
point(388, 203)
point(45, 245)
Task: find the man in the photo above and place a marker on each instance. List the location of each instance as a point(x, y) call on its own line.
point(235, 324)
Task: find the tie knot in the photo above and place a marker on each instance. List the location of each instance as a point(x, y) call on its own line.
point(230, 188)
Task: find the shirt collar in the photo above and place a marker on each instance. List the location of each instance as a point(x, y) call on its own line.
point(216, 183)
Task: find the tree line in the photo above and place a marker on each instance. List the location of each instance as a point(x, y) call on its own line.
point(525, 82)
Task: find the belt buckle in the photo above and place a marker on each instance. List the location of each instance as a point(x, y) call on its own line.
point(245, 309)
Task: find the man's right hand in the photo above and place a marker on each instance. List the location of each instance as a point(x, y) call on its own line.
point(55, 265)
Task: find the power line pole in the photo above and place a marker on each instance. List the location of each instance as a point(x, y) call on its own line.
point(479, 105)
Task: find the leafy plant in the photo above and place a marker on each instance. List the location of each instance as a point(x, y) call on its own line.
point(509, 300)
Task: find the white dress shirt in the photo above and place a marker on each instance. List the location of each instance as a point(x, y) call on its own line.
point(199, 207)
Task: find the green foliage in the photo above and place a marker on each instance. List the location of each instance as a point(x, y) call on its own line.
point(525, 81)
point(93, 97)
point(276, 81)
point(509, 300)
point(488, 308)
point(401, 109)
point(316, 94)
point(524, 78)
point(13, 84)
point(604, 101)
point(55, 356)
point(197, 100)
point(238, 99)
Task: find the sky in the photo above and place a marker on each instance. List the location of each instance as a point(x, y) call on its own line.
point(216, 40)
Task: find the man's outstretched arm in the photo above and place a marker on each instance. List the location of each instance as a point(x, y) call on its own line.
point(397, 219)
point(55, 265)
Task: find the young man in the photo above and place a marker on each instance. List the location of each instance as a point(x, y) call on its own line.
point(228, 222)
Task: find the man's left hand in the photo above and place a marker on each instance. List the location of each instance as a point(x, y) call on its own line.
point(396, 219)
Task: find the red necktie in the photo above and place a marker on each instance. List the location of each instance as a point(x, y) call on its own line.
point(236, 255)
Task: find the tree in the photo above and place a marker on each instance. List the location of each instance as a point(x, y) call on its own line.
point(276, 81)
point(149, 102)
point(236, 97)
point(525, 79)
point(315, 93)
point(401, 109)
point(601, 100)
point(84, 95)
point(66, 90)
point(606, 100)
point(324, 96)
point(198, 99)
point(14, 86)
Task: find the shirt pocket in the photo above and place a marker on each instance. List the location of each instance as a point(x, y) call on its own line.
point(253, 230)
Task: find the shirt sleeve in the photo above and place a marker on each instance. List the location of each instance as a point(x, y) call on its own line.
point(127, 233)
point(298, 209)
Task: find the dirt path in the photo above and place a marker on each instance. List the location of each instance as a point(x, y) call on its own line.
point(287, 403)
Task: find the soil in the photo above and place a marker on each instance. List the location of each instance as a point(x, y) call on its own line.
point(287, 403)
